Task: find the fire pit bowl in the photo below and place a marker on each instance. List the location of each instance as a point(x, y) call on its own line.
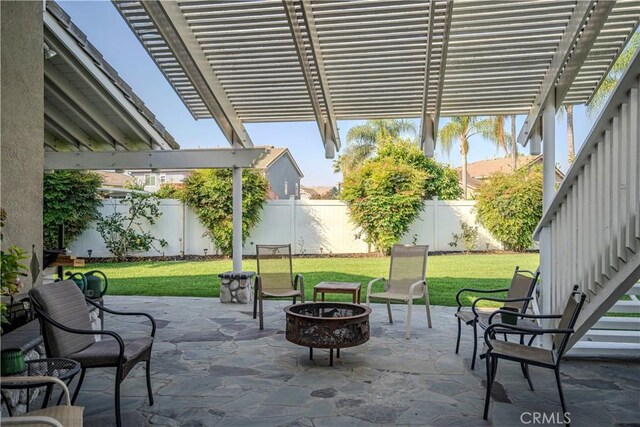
point(329, 325)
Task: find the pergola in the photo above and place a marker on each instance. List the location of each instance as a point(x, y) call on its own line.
point(297, 60)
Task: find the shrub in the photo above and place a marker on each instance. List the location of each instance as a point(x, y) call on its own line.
point(169, 191)
point(209, 193)
point(70, 198)
point(124, 233)
point(510, 206)
point(468, 236)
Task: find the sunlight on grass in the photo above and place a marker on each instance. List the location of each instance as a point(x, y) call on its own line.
point(446, 274)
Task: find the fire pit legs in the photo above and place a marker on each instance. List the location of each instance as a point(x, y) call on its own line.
point(330, 357)
point(310, 353)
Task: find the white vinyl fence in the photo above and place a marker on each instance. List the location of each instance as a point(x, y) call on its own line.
point(310, 226)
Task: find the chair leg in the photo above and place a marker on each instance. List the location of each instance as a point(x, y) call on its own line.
point(117, 396)
point(564, 408)
point(525, 372)
point(475, 346)
point(261, 310)
point(490, 378)
point(389, 311)
point(458, 339)
point(255, 300)
point(407, 334)
point(75, 393)
point(427, 305)
point(149, 391)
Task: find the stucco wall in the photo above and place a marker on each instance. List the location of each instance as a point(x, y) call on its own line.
point(279, 172)
point(22, 123)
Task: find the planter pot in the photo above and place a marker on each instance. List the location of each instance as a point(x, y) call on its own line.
point(12, 362)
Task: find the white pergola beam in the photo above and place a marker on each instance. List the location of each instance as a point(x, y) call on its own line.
point(427, 138)
point(213, 158)
point(572, 32)
point(170, 22)
point(327, 124)
point(443, 64)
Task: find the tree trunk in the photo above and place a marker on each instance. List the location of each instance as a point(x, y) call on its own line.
point(463, 151)
point(514, 144)
point(570, 147)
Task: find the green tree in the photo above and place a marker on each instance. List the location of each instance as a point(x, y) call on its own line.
point(70, 198)
point(209, 193)
point(616, 72)
point(362, 141)
point(461, 129)
point(509, 205)
point(386, 194)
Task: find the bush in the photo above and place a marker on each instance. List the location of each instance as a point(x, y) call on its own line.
point(169, 191)
point(209, 193)
point(510, 206)
point(124, 232)
point(70, 198)
point(468, 236)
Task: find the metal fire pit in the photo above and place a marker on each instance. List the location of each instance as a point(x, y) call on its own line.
point(329, 325)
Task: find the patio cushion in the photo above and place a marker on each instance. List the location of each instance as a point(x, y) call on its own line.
point(64, 303)
point(105, 352)
point(68, 416)
point(520, 351)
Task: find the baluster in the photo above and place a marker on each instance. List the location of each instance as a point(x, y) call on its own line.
point(623, 153)
point(606, 265)
point(615, 190)
point(633, 177)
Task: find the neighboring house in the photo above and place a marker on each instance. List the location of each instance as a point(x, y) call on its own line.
point(319, 192)
point(478, 172)
point(114, 179)
point(279, 167)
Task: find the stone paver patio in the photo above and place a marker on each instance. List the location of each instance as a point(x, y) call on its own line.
point(212, 366)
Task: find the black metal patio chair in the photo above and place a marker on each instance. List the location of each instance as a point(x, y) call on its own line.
point(519, 294)
point(66, 328)
point(526, 354)
point(275, 277)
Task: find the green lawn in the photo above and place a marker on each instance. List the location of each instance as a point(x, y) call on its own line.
point(446, 274)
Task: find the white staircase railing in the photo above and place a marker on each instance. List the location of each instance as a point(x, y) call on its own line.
point(595, 215)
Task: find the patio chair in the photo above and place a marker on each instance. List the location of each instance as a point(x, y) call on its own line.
point(66, 329)
point(407, 281)
point(56, 416)
point(518, 297)
point(526, 354)
point(275, 277)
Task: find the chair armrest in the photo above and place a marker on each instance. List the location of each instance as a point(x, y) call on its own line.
point(299, 280)
point(477, 300)
point(58, 325)
point(525, 315)
point(488, 333)
point(413, 287)
point(370, 285)
point(125, 313)
point(18, 381)
point(31, 420)
point(480, 291)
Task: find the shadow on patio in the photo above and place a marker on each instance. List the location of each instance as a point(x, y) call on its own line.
point(212, 366)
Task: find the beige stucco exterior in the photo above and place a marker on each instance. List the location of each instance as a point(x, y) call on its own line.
point(22, 123)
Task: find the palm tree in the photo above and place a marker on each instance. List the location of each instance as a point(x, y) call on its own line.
point(362, 141)
point(461, 129)
point(498, 134)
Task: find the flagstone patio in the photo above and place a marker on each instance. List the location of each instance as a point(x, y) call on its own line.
point(212, 366)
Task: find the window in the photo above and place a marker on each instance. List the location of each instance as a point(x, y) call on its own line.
point(286, 188)
point(163, 179)
point(149, 179)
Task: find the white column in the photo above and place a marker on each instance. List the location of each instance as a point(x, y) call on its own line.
point(237, 219)
point(428, 143)
point(548, 191)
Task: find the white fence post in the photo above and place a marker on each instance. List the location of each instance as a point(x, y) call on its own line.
point(292, 202)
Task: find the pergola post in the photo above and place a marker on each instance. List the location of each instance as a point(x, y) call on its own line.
point(428, 143)
point(548, 191)
point(237, 219)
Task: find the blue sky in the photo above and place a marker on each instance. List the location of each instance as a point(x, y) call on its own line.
point(106, 29)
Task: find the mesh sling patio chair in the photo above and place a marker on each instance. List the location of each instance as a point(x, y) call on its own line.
point(66, 328)
point(526, 354)
point(56, 416)
point(407, 281)
point(519, 294)
point(275, 277)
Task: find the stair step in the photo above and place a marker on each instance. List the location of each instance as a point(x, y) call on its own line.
point(618, 323)
point(604, 349)
point(599, 335)
point(629, 306)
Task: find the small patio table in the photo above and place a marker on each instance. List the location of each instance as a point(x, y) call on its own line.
point(352, 288)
